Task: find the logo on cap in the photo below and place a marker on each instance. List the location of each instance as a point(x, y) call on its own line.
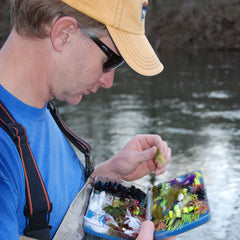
point(144, 11)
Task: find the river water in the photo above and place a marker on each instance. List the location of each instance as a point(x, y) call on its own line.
point(194, 105)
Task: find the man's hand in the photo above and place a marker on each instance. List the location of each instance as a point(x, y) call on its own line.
point(136, 159)
point(147, 230)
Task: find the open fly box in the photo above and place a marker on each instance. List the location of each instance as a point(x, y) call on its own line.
point(117, 208)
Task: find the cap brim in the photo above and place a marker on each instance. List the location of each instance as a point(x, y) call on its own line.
point(136, 51)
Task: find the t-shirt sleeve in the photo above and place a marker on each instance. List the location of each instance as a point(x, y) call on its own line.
point(8, 211)
point(10, 180)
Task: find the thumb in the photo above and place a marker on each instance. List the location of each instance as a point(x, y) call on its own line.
point(146, 231)
point(147, 154)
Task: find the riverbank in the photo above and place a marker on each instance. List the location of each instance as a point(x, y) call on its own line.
point(192, 24)
point(180, 24)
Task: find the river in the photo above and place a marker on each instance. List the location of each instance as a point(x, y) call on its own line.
point(194, 105)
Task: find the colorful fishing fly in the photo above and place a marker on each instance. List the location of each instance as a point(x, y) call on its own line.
point(178, 202)
point(117, 208)
point(160, 158)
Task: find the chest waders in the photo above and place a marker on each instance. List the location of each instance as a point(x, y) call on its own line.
point(38, 206)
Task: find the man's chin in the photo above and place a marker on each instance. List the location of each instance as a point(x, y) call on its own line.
point(75, 100)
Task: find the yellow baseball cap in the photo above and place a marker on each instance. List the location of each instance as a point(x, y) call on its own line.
point(125, 21)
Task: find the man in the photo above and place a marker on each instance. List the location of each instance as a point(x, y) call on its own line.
point(64, 50)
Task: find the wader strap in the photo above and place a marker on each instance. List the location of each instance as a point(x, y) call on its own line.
point(38, 205)
point(82, 145)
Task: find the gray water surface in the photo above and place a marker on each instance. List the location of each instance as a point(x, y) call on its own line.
point(194, 105)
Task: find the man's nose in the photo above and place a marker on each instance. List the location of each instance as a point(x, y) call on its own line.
point(106, 79)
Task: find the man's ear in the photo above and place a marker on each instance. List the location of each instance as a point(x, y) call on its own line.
point(62, 32)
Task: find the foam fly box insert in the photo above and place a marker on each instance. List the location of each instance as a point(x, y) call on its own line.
point(117, 208)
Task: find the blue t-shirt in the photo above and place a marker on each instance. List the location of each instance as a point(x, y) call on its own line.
point(61, 170)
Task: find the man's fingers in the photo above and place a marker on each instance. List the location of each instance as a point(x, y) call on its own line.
point(146, 231)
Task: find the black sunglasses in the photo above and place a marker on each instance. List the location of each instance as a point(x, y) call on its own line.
point(113, 61)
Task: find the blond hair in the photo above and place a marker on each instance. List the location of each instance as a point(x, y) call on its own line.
point(30, 17)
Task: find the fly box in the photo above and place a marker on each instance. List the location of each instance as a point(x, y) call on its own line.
point(117, 208)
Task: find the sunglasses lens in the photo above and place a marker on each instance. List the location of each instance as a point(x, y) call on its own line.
point(113, 61)
point(112, 64)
